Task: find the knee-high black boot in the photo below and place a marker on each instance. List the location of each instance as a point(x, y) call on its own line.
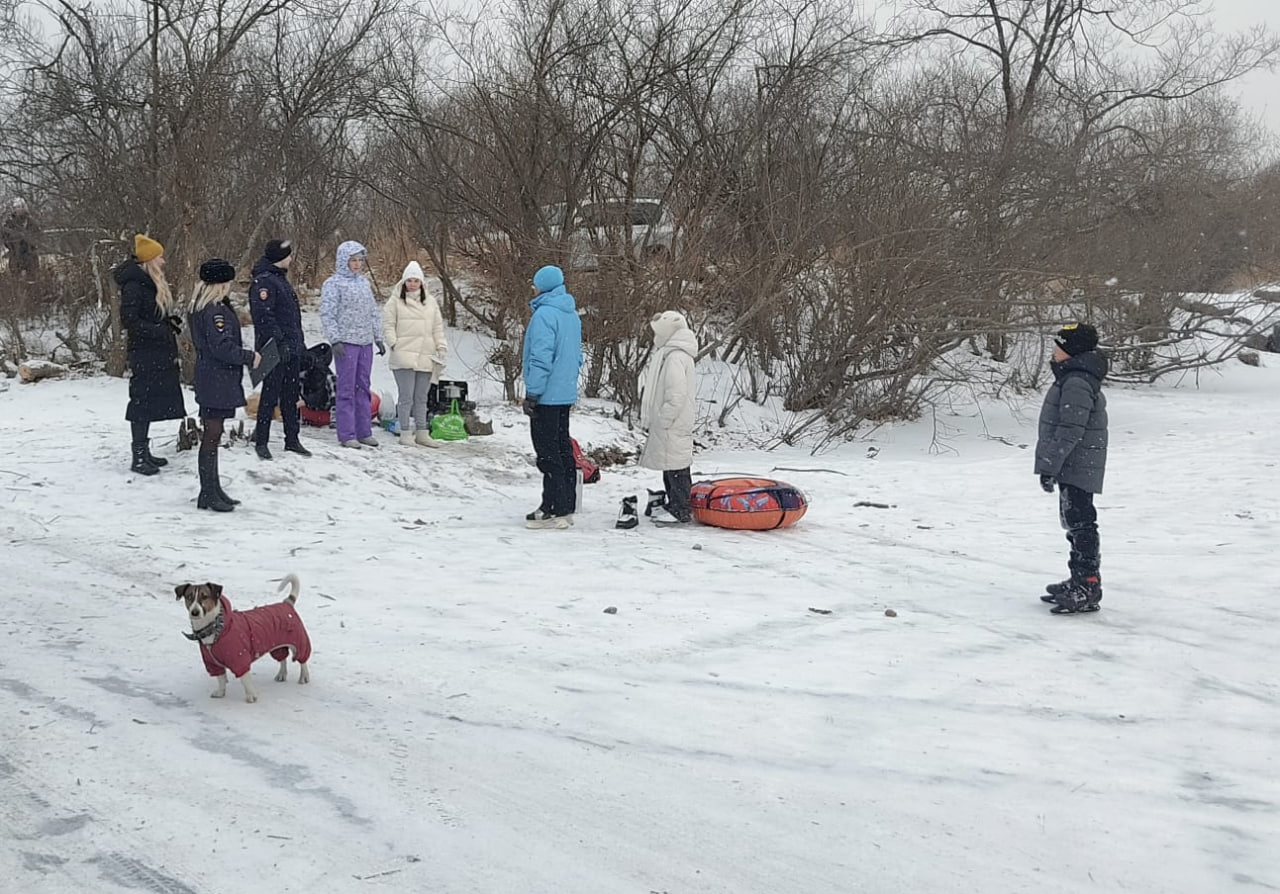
point(210, 491)
point(211, 440)
point(142, 463)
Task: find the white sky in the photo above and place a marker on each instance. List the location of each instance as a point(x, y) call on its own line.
point(1260, 92)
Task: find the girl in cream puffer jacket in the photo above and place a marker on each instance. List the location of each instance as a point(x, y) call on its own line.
point(413, 328)
point(667, 393)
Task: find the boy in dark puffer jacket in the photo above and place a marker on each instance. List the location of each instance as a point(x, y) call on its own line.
point(1071, 453)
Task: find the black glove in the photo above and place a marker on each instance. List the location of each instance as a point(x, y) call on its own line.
point(175, 323)
point(382, 349)
point(529, 403)
point(1047, 482)
point(339, 349)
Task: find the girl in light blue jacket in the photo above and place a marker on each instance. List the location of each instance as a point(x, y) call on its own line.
point(552, 360)
point(353, 325)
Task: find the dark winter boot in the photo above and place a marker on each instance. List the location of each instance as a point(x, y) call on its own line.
point(657, 500)
point(295, 446)
point(1053, 591)
point(263, 451)
point(210, 490)
point(158, 462)
point(1082, 596)
point(628, 517)
point(217, 482)
point(141, 464)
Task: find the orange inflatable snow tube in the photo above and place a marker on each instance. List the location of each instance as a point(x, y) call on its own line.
point(748, 504)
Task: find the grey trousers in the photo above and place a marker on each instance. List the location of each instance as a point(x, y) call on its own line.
point(411, 402)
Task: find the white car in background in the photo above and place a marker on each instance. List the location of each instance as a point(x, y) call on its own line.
point(608, 229)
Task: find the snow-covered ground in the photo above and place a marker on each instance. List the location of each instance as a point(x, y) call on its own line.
point(477, 723)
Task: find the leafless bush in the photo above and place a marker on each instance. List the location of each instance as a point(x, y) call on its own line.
point(850, 206)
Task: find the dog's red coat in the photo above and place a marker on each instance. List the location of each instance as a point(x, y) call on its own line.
point(248, 635)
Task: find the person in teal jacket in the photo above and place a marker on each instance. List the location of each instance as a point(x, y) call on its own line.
point(552, 360)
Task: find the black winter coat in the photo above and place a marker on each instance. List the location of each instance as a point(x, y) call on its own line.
point(1072, 445)
point(274, 307)
point(220, 356)
point(155, 390)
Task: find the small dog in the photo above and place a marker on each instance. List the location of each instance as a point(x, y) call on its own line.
point(232, 641)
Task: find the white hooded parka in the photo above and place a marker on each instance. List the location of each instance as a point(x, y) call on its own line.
point(667, 395)
point(413, 328)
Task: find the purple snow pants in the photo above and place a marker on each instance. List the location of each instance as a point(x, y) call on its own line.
point(353, 408)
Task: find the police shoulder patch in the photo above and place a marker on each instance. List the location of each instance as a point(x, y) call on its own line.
point(262, 294)
point(219, 322)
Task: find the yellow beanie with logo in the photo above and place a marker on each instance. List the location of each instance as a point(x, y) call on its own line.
point(146, 249)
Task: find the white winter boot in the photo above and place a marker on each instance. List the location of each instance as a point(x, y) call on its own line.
point(406, 439)
point(424, 438)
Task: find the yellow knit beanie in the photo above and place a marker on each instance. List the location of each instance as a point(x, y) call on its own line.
point(146, 249)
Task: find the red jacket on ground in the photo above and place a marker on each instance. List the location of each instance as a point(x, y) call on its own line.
point(248, 635)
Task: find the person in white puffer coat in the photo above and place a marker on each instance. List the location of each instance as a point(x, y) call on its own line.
point(413, 328)
point(667, 391)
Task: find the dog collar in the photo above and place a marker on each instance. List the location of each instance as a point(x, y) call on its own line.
point(212, 630)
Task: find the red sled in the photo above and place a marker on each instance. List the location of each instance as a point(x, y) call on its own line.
point(322, 418)
point(590, 471)
point(318, 418)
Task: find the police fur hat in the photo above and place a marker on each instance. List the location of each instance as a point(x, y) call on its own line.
point(216, 270)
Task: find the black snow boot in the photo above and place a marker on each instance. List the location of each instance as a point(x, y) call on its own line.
point(628, 517)
point(1053, 591)
point(141, 464)
point(210, 489)
point(223, 494)
point(657, 500)
point(295, 446)
point(263, 451)
point(1082, 596)
point(217, 483)
point(157, 461)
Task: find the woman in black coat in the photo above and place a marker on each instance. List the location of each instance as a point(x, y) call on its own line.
point(220, 361)
point(152, 327)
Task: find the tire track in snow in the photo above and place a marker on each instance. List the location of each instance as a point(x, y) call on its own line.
point(67, 840)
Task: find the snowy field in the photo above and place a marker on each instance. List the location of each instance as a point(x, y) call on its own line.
point(477, 723)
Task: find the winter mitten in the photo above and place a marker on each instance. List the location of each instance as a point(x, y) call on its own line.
point(628, 517)
point(1047, 482)
point(530, 402)
point(382, 349)
point(657, 500)
point(339, 349)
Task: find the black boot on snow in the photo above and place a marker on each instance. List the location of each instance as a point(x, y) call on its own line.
point(263, 451)
point(157, 461)
point(1053, 591)
point(628, 517)
point(1081, 597)
point(141, 464)
point(210, 490)
point(217, 484)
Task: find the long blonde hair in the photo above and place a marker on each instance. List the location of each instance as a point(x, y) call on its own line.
point(164, 297)
point(208, 293)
